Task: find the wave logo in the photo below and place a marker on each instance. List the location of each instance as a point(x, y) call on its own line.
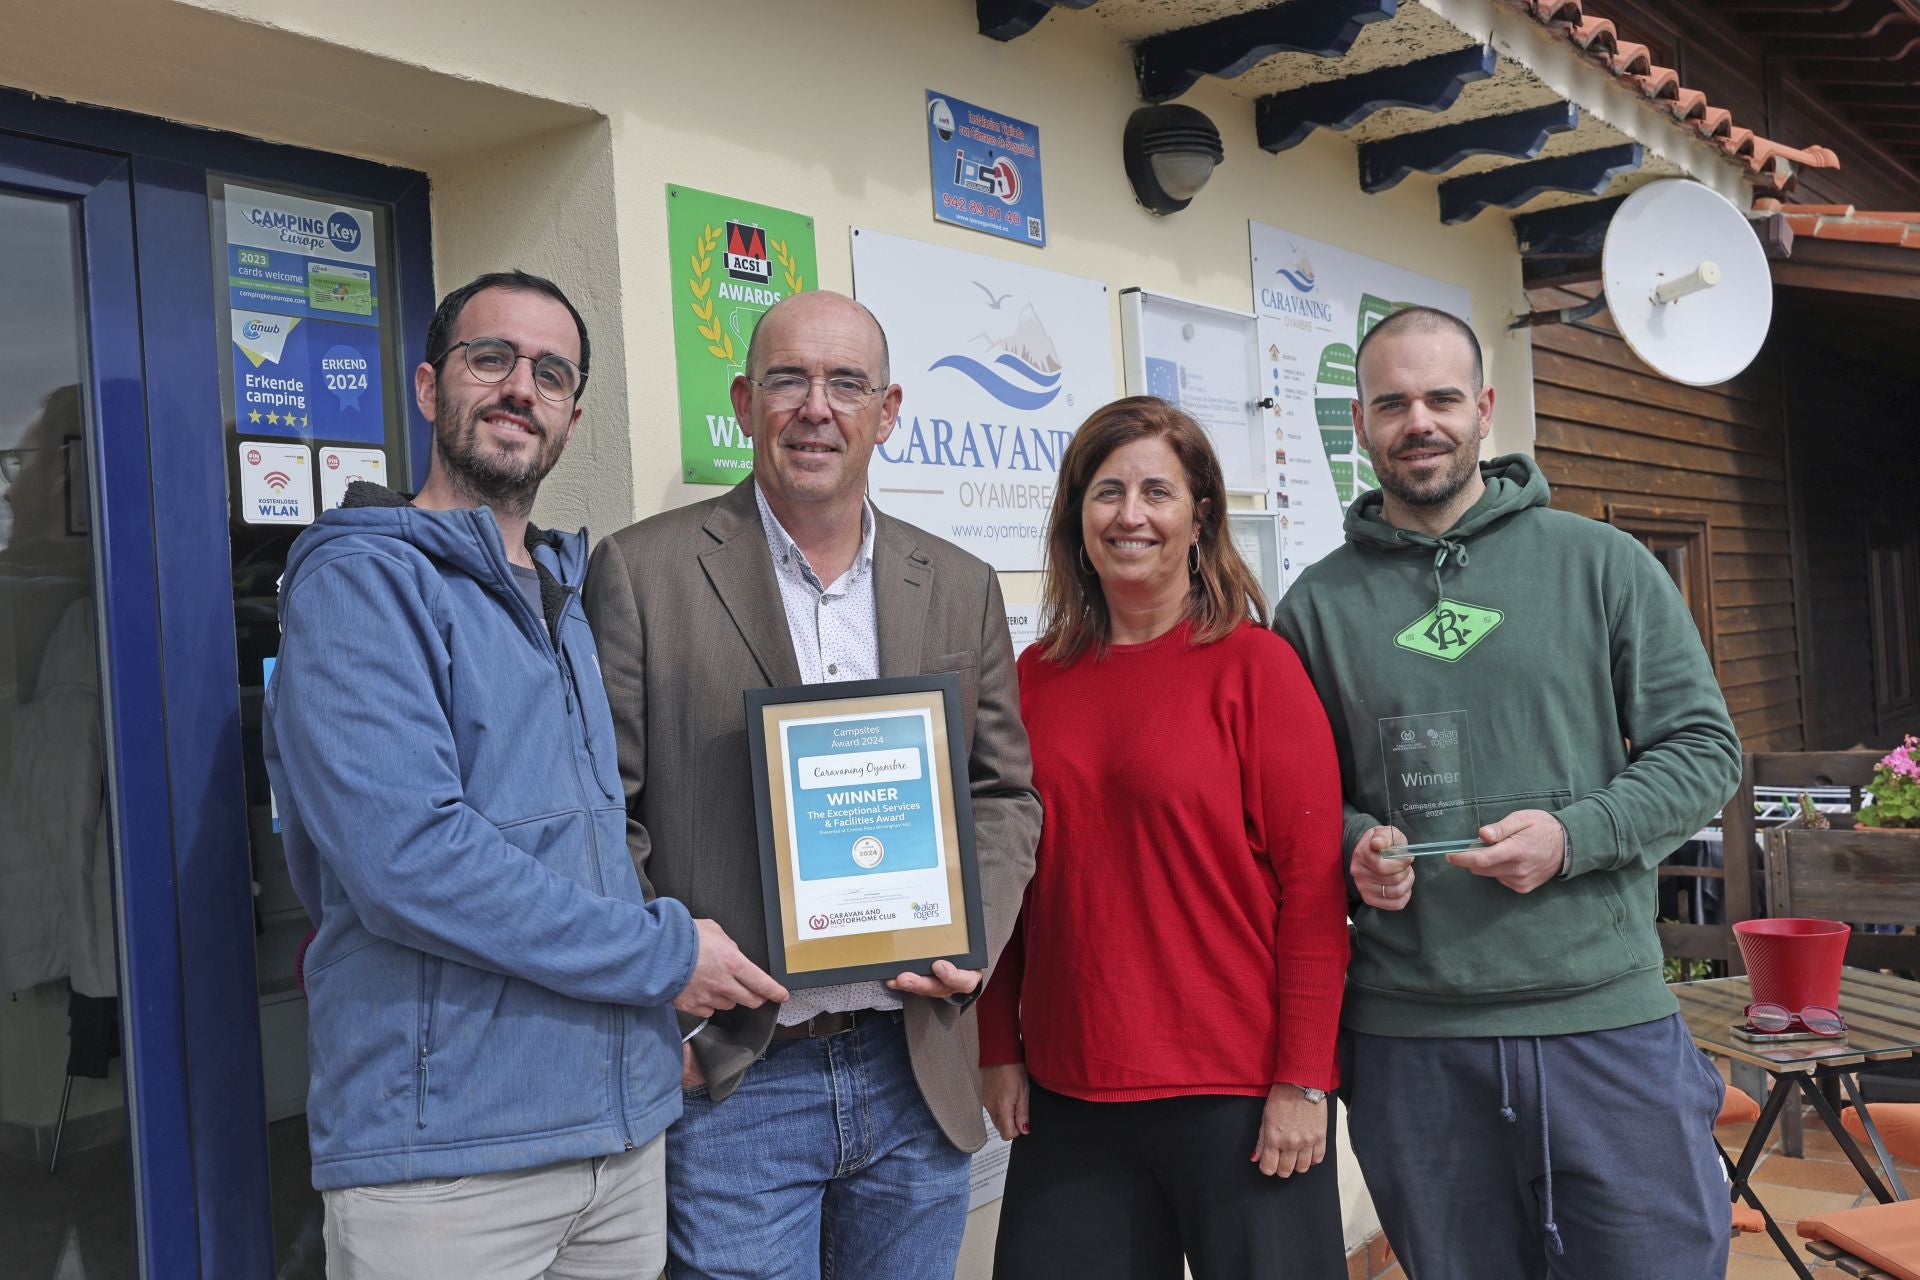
point(255, 330)
point(344, 230)
point(1299, 275)
point(1021, 370)
point(277, 480)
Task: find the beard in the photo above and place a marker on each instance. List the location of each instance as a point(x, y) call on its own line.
point(506, 482)
point(1437, 489)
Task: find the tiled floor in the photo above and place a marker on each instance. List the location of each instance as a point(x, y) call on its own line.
point(1820, 1181)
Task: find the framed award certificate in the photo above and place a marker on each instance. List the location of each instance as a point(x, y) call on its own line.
point(866, 829)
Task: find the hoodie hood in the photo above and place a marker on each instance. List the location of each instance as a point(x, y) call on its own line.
point(1513, 482)
point(467, 540)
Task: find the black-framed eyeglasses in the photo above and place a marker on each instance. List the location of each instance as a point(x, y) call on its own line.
point(492, 360)
point(790, 391)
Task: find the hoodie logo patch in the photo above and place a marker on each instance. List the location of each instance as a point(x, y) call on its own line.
point(1449, 629)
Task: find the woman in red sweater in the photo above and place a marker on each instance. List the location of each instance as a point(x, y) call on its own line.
point(1159, 1035)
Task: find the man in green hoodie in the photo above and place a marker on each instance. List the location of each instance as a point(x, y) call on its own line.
point(1520, 695)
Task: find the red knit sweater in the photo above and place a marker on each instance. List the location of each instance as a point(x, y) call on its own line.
point(1185, 931)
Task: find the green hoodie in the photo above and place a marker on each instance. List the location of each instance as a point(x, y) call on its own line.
point(1507, 666)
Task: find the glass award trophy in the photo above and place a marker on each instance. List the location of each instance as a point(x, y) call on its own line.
point(1430, 792)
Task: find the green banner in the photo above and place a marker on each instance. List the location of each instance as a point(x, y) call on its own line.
point(730, 260)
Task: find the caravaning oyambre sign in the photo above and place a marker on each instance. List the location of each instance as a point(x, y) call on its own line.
point(730, 260)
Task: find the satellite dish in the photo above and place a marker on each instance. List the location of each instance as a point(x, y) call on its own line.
point(1687, 282)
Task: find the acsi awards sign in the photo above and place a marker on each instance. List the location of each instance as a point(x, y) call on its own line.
point(999, 363)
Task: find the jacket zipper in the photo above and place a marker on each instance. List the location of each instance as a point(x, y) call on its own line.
point(430, 995)
point(550, 637)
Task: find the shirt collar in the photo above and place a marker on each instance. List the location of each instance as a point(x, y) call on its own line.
point(787, 552)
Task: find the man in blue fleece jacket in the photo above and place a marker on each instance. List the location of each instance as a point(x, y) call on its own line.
point(494, 1059)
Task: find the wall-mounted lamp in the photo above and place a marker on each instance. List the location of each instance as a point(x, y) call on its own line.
point(1170, 153)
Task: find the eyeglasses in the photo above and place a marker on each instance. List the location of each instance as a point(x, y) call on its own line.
point(1774, 1019)
point(790, 391)
point(493, 359)
point(13, 462)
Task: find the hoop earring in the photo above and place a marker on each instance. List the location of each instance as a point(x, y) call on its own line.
point(1085, 563)
point(1193, 560)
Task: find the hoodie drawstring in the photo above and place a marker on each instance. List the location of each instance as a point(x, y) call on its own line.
point(1551, 1227)
point(1447, 547)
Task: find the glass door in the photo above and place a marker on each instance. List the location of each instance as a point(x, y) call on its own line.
point(78, 665)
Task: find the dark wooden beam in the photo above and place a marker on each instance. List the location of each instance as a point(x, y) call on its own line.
point(1796, 274)
point(1009, 19)
point(1584, 172)
point(1870, 95)
point(1284, 120)
point(1889, 46)
point(1571, 232)
point(1825, 71)
point(1519, 136)
point(1169, 64)
point(1861, 23)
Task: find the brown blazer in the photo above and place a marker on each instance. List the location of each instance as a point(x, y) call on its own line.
point(687, 615)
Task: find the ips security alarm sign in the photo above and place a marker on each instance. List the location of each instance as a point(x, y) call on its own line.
point(302, 284)
point(731, 260)
point(1000, 363)
point(986, 170)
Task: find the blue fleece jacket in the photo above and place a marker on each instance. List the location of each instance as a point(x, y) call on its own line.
point(489, 988)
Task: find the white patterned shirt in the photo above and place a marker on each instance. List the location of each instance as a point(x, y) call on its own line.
point(836, 636)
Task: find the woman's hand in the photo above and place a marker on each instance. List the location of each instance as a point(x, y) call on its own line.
point(1004, 1091)
point(1293, 1132)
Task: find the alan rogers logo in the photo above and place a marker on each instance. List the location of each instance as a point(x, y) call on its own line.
point(1020, 369)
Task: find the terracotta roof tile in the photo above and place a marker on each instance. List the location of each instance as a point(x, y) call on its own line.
point(1842, 222)
point(1770, 165)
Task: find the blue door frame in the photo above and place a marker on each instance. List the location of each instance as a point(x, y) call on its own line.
point(190, 999)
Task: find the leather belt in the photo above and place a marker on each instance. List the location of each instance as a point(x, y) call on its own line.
point(831, 1024)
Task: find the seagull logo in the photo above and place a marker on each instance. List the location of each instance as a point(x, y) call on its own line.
point(1020, 369)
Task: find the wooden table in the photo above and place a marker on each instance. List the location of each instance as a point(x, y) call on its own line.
point(1883, 1022)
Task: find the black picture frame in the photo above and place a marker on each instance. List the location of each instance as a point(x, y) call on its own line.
point(794, 702)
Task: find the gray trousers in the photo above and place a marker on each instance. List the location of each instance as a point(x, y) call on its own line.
point(598, 1219)
point(1576, 1157)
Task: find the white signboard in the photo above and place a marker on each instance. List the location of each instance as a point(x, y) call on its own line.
point(341, 467)
point(1023, 625)
point(1314, 304)
point(276, 482)
point(987, 1174)
point(1000, 363)
point(1205, 361)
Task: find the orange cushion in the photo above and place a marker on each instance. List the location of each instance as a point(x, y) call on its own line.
point(1887, 1235)
point(1738, 1108)
point(1899, 1124)
point(1747, 1220)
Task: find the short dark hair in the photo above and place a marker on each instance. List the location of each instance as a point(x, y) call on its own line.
point(446, 318)
point(1424, 320)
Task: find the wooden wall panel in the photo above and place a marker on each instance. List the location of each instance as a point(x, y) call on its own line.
point(1609, 429)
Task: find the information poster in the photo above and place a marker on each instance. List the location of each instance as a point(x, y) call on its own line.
point(986, 170)
point(1203, 360)
point(276, 482)
point(730, 260)
point(1000, 363)
point(1314, 303)
point(302, 284)
point(341, 467)
point(987, 1174)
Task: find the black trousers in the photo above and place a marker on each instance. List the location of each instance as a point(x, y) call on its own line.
point(1127, 1190)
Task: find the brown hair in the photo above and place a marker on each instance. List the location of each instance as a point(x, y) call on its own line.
point(1073, 608)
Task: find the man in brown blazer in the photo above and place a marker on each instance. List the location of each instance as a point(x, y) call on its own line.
point(834, 1129)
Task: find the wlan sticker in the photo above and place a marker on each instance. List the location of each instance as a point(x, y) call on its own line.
point(276, 482)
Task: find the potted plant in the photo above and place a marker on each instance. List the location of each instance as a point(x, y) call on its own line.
point(1896, 790)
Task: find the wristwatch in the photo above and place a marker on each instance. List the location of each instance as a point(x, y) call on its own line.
point(1312, 1095)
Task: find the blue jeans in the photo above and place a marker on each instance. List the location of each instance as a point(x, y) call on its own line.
point(824, 1162)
